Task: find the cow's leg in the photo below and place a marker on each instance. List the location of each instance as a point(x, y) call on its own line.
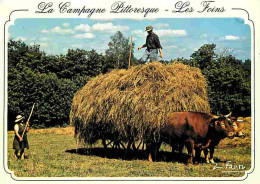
point(212, 149)
point(197, 155)
point(206, 155)
point(191, 152)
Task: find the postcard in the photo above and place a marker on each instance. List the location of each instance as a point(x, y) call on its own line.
point(139, 91)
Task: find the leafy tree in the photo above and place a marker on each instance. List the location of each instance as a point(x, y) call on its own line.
point(231, 90)
point(31, 55)
point(51, 80)
point(117, 55)
point(47, 80)
point(52, 96)
point(52, 64)
point(247, 67)
point(228, 83)
point(80, 62)
point(204, 56)
point(94, 63)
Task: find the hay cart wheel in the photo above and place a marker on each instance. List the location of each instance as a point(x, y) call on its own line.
point(136, 145)
point(113, 144)
point(118, 145)
point(106, 143)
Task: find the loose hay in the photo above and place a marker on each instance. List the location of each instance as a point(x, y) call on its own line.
point(132, 104)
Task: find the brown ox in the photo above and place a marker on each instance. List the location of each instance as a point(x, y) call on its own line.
point(237, 125)
point(193, 128)
point(214, 140)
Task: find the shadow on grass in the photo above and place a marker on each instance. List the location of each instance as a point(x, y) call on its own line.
point(122, 154)
point(110, 153)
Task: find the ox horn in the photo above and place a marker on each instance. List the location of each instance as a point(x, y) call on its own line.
point(228, 115)
point(215, 117)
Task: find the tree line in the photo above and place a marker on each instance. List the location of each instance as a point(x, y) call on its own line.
point(50, 81)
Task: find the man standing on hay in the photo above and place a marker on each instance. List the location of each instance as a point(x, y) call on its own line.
point(152, 46)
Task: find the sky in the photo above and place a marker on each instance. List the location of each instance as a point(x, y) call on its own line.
point(179, 37)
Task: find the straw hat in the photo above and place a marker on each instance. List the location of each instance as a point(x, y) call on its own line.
point(148, 28)
point(19, 118)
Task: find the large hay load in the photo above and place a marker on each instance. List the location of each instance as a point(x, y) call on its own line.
point(130, 105)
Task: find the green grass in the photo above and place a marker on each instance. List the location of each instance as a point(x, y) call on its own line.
point(54, 155)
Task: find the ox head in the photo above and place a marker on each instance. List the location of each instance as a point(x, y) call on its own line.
point(228, 126)
point(222, 126)
point(237, 127)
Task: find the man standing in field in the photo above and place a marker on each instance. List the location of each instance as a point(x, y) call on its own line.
point(20, 139)
point(152, 46)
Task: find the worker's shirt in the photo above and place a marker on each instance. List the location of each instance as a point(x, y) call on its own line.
point(152, 42)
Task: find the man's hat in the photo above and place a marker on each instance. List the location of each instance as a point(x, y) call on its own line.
point(19, 118)
point(148, 28)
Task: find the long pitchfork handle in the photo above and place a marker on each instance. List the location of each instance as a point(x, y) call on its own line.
point(28, 120)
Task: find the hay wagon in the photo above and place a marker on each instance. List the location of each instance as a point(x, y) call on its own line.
point(124, 107)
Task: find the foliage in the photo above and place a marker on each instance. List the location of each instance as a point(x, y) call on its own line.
point(117, 55)
point(229, 86)
point(49, 81)
point(51, 95)
point(81, 63)
point(34, 76)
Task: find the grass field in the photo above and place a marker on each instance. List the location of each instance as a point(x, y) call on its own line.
point(53, 153)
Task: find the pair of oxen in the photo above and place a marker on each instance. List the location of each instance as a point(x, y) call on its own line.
point(197, 131)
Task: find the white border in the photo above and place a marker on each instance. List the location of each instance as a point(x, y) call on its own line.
point(232, 13)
